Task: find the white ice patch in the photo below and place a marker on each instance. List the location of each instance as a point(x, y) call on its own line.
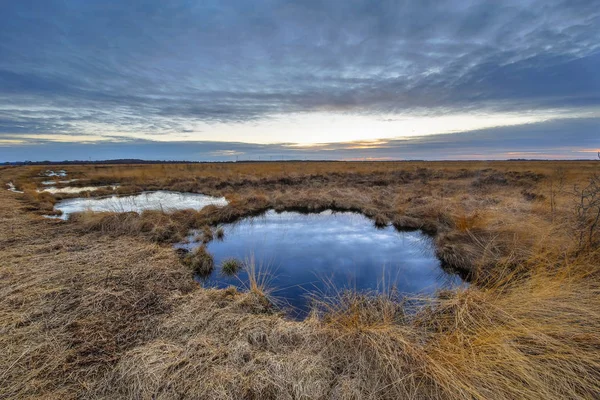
point(48, 183)
point(60, 173)
point(12, 188)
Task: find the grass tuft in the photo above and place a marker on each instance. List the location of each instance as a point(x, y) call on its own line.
point(230, 266)
point(200, 261)
point(207, 234)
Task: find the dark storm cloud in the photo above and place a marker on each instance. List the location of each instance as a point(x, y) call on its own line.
point(567, 139)
point(152, 65)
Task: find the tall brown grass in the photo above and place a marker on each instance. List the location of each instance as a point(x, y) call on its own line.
point(534, 337)
point(94, 308)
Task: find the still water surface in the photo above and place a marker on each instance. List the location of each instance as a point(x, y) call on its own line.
point(160, 200)
point(305, 255)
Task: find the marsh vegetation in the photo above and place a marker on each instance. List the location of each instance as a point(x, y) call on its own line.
point(103, 306)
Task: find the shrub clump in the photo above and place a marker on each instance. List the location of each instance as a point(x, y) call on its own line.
point(532, 196)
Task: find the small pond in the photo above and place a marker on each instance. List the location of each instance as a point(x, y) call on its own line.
point(160, 200)
point(320, 254)
point(74, 189)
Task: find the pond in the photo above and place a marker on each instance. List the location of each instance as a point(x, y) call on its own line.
point(304, 255)
point(159, 200)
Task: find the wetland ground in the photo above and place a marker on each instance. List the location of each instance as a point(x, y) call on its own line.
point(103, 306)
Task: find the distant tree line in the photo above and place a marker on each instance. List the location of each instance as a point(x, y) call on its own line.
point(138, 161)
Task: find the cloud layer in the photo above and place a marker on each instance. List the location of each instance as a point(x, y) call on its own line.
point(154, 68)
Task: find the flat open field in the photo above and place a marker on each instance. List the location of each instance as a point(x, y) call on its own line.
point(103, 306)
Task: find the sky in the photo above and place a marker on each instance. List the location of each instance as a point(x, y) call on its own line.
point(275, 79)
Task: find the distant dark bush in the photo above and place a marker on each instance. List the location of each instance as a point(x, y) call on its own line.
point(532, 196)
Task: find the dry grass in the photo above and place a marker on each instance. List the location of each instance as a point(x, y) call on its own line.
point(95, 308)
